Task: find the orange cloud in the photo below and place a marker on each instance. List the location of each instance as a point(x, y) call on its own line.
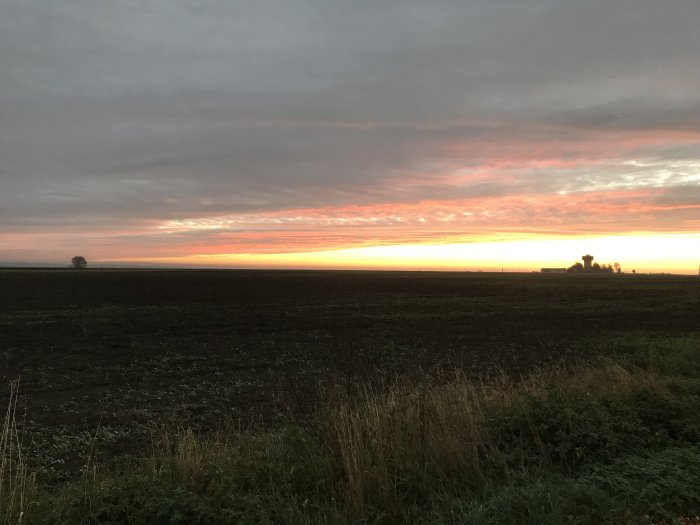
point(434, 221)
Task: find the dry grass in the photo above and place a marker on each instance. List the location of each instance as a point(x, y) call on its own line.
point(387, 438)
point(380, 451)
point(186, 458)
point(17, 483)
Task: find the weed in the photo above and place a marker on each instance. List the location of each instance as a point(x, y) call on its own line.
point(17, 482)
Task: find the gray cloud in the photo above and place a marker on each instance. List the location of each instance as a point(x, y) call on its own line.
point(135, 112)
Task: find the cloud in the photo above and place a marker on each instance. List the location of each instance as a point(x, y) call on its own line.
point(128, 116)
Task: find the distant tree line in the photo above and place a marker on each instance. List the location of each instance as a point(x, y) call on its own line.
point(595, 268)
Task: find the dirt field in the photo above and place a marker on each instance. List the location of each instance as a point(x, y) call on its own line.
point(106, 355)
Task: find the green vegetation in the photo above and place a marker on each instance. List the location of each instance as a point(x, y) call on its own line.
point(600, 443)
point(551, 412)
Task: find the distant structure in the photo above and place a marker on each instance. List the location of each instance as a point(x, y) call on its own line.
point(78, 262)
point(589, 266)
point(553, 270)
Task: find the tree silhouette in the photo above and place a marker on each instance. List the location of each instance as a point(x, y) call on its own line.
point(595, 268)
point(575, 268)
point(78, 262)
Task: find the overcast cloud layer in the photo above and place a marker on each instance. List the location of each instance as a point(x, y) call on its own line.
point(145, 128)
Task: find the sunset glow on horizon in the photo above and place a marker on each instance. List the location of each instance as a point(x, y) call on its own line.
point(670, 254)
point(482, 136)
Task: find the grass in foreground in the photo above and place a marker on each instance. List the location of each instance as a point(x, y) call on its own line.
point(604, 442)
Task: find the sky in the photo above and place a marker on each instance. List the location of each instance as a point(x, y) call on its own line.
point(455, 134)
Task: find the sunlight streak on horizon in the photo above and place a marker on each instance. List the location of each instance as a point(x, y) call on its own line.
point(679, 253)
